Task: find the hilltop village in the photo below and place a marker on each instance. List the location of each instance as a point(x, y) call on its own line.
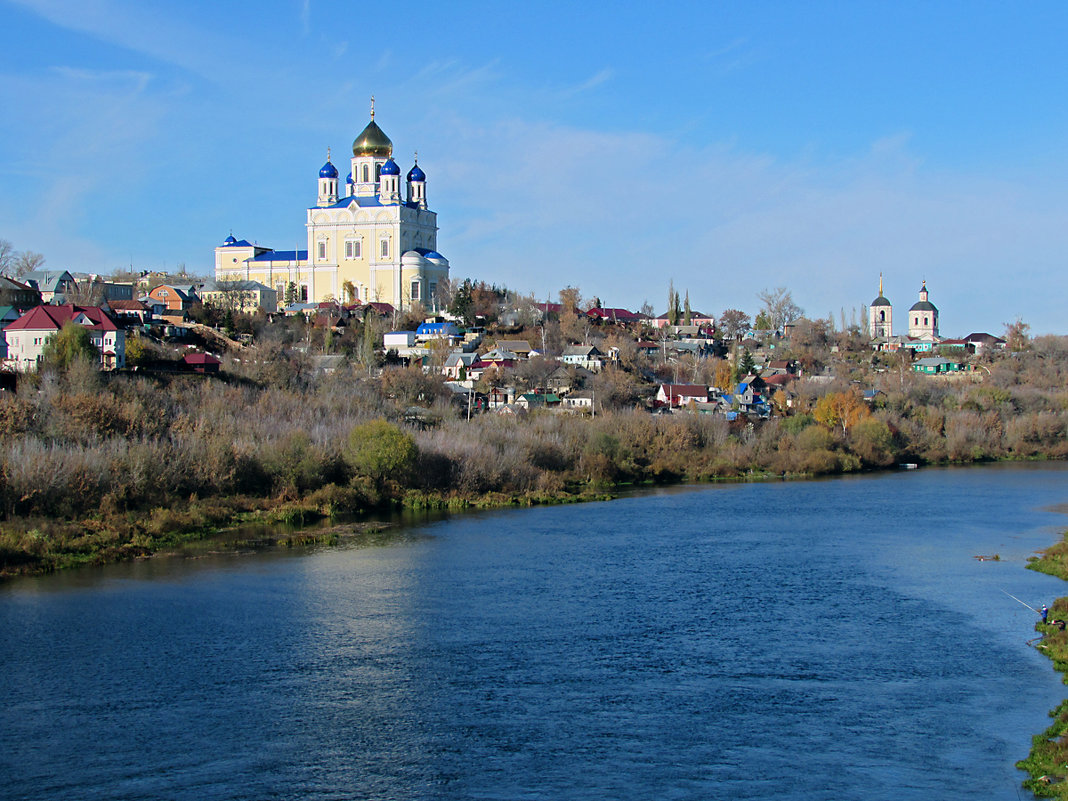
point(358, 373)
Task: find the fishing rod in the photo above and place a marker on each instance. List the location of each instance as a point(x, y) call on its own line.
point(1021, 602)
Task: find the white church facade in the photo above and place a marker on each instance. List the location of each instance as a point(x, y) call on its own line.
point(370, 240)
point(922, 319)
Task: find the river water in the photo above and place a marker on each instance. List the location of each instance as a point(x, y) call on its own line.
point(802, 640)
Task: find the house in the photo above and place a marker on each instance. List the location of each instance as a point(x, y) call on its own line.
point(54, 285)
point(175, 298)
point(520, 347)
point(583, 356)
point(26, 337)
point(565, 377)
point(201, 362)
point(621, 316)
point(697, 319)
point(680, 394)
point(240, 296)
point(18, 295)
point(537, 400)
point(131, 311)
point(398, 339)
point(936, 365)
point(578, 400)
point(8, 315)
point(437, 331)
point(457, 365)
point(980, 341)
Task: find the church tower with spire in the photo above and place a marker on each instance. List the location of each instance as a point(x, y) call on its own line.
point(880, 315)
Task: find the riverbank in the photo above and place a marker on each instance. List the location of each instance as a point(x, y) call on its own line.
point(34, 546)
point(1048, 761)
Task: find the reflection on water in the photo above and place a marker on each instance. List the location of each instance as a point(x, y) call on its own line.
point(788, 640)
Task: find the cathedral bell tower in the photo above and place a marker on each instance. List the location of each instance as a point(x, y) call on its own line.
point(880, 315)
point(327, 182)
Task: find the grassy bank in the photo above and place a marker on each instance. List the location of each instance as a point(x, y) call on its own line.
point(1048, 761)
point(36, 545)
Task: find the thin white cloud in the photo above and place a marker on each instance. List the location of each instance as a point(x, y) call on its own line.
point(142, 28)
point(592, 82)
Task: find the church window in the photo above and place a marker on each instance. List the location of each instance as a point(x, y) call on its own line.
point(378, 173)
point(322, 250)
point(415, 290)
point(303, 293)
point(925, 321)
point(350, 249)
point(366, 174)
point(384, 252)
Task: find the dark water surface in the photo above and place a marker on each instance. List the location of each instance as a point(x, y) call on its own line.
point(805, 640)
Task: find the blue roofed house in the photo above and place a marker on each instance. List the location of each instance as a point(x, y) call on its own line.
point(436, 331)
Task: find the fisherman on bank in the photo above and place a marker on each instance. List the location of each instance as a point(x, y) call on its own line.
point(1045, 613)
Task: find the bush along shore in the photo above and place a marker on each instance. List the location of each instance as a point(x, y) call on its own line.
point(97, 467)
point(1048, 761)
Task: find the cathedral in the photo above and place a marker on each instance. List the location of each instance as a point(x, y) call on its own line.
point(922, 317)
point(367, 241)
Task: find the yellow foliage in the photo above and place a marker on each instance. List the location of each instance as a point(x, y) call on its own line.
point(841, 410)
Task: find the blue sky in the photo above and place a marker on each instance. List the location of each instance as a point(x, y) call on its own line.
point(727, 146)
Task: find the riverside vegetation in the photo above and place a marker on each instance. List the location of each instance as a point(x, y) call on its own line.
point(95, 467)
point(1048, 761)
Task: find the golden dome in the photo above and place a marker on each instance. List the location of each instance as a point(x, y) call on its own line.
point(372, 142)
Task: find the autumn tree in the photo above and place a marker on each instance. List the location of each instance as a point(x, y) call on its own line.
point(733, 323)
point(779, 306)
point(841, 410)
point(687, 313)
point(570, 300)
point(1017, 338)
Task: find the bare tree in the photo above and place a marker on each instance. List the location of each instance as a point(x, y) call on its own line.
point(27, 262)
point(779, 306)
point(7, 255)
point(234, 296)
point(734, 323)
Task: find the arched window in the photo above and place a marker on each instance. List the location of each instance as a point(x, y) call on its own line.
point(882, 317)
point(366, 174)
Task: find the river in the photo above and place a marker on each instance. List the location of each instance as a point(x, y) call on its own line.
point(798, 640)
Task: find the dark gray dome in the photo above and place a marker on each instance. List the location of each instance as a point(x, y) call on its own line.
point(923, 305)
point(880, 301)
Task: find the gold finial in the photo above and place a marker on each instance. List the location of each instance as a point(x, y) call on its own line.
point(417, 157)
point(880, 285)
point(328, 154)
point(372, 107)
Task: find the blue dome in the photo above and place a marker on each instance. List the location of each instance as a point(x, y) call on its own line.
point(229, 240)
point(328, 171)
point(416, 174)
point(390, 168)
point(433, 254)
point(349, 179)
